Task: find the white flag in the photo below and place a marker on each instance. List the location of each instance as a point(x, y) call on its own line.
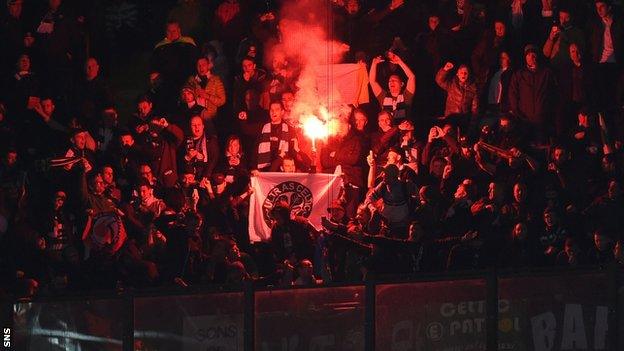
point(307, 194)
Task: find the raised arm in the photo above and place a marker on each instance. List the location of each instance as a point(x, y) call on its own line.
point(372, 76)
point(411, 77)
point(441, 77)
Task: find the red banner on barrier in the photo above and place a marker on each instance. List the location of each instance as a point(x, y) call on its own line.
point(431, 316)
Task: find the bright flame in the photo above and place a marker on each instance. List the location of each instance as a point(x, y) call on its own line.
point(314, 128)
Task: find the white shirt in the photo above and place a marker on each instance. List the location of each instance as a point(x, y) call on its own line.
point(495, 90)
point(608, 53)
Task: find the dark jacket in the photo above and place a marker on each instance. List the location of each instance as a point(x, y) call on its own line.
point(485, 56)
point(505, 80)
point(597, 38)
point(531, 94)
point(164, 153)
point(347, 154)
point(460, 99)
point(575, 83)
point(204, 165)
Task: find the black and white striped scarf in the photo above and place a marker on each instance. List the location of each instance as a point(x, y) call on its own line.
point(265, 154)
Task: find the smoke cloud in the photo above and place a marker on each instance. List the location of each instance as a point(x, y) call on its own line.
point(305, 41)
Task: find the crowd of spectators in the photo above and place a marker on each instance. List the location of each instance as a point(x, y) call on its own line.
point(493, 138)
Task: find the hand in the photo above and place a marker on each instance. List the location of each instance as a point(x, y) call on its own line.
point(448, 66)
point(141, 128)
point(161, 122)
point(254, 173)
point(159, 237)
point(406, 125)
point(394, 58)
point(473, 234)
point(332, 154)
point(87, 165)
point(377, 60)
point(554, 32)
point(448, 170)
point(370, 159)
point(154, 76)
point(395, 4)
point(552, 167)
point(191, 154)
point(579, 135)
point(434, 133)
point(515, 152)
point(269, 16)
point(549, 250)
point(204, 183)
point(295, 142)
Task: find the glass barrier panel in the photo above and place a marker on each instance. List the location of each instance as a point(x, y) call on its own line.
point(190, 323)
point(325, 319)
point(550, 313)
point(431, 316)
point(68, 325)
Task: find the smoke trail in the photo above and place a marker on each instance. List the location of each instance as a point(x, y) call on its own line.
point(305, 41)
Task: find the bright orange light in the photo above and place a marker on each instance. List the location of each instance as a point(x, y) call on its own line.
point(314, 128)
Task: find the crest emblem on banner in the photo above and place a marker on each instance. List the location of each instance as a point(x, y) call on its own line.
point(298, 197)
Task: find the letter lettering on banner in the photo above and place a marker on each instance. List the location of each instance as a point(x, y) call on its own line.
point(402, 336)
point(574, 337)
point(307, 196)
point(544, 327)
point(601, 328)
point(447, 310)
point(455, 327)
point(213, 332)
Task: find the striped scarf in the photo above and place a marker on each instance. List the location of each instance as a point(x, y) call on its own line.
point(396, 106)
point(265, 154)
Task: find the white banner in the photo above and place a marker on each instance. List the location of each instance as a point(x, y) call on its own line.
point(307, 194)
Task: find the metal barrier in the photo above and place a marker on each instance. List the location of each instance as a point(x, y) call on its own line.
point(542, 311)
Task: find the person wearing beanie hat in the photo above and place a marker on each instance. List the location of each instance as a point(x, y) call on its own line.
point(530, 48)
point(531, 96)
point(189, 108)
